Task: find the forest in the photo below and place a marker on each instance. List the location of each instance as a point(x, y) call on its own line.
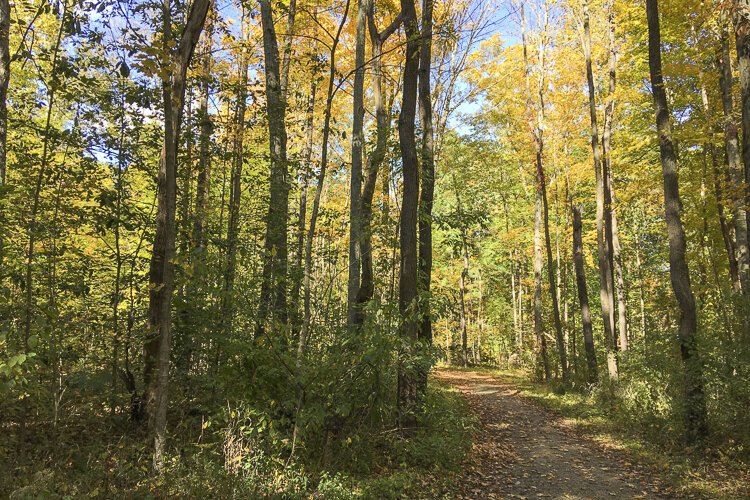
point(374, 249)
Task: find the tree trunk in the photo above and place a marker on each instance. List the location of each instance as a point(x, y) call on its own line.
point(304, 181)
point(695, 404)
point(602, 229)
point(613, 232)
point(741, 272)
point(710, 150)
point(383, 122)
point(273, 294)
point(427, 193)
point(161, 273)
point(319, 187)
point(4, 79)
point(462, 297)
point(583, 296)
point(235, 195)
point(542, 186)
point(407, 300)
point(742, 32)
point(355, 184)
point(541, 340)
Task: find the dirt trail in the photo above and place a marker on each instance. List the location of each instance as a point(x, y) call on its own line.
point(524, 451)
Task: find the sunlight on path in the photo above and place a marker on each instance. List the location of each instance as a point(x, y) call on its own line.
point(523, 451)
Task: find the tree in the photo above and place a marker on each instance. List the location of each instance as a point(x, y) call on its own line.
point(273, 293)
point(695, 404)
point(4, 79)
point(355, 191)
point(603, 204)
point(427, 153)
point(408, 297)
point(583, 296)
point(161, 273)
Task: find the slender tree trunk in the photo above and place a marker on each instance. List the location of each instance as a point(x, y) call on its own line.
point(319, 188)
point(355, 184)
point(272, 304)
point(383, 122)
point(551, 270)
point(602, 229)
point(462, 297)
point(408, 297)
point(161, 274)
point(304, 182)
point(710, 150)
point(4, 79)
point(235, 195)
point(741, 177)
point(541, 340)
point(741, 273)
point(30, 304)
point(695, 404)
point(613, 232)
point(427, 193)
point(583, 296)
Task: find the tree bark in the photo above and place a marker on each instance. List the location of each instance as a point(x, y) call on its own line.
point(613, 232)
point(235, 195)
point(161, 273)
point(541, 340)
point(739, 260)
point(427, 193)
point(273, 294)
point(408, 297)
point(583, 296)
point(319, 187)
point(304, 181)
point(742, 33)
point(375, 161)
point(4, 79)
point(603, 229)
point(355, 183)
point(695, 404)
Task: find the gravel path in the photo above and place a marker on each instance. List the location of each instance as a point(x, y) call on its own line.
point(524, 451)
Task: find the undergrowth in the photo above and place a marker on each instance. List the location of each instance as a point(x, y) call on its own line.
point(228, 457)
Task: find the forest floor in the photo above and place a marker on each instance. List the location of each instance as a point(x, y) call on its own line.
point(522, 450)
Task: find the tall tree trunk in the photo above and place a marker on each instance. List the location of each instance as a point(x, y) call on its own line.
point(427, 193)
point(4, 79)
point(462, 297)
point(741, 273)
point(304, 182)
point(710, 150)
point(602, 229)
point(695, 404)
point(161, 273)
point(355, 184)
point(541, 340)
point(319, 187)
point(408, 297)
point(542, 186)
point(30, 305)
point(613, 232)
point(742, 32)
point(273, 294)
point(375, 161)
point(583, 296)
point(235, 195)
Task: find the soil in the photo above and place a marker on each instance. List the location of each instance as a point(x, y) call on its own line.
point(524, 451)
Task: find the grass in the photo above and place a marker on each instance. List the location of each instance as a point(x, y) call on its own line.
point(691, 473)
